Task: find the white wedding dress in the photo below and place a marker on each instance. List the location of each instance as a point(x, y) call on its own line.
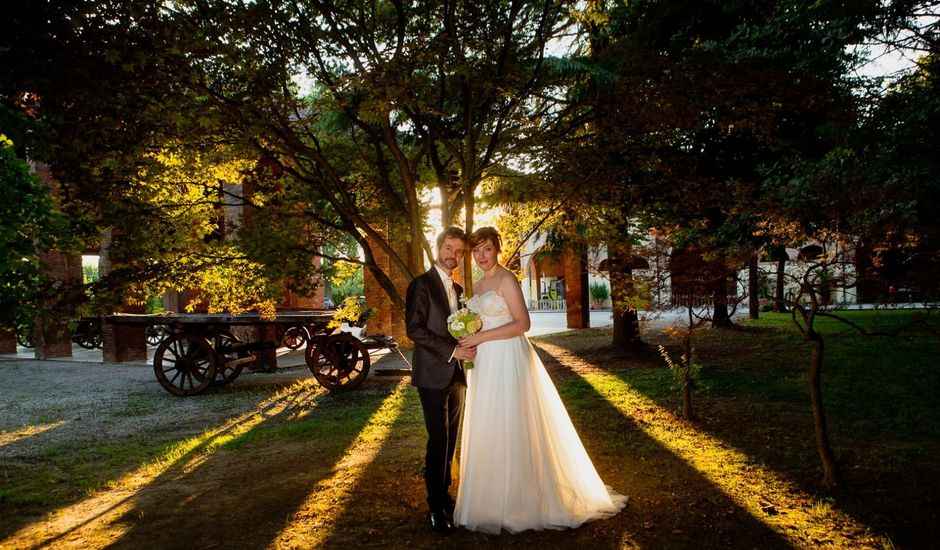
point(522, 464)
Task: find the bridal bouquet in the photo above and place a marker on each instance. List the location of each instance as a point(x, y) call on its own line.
point(464, 322)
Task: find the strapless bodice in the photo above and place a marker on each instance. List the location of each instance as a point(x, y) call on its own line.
point(492, 309)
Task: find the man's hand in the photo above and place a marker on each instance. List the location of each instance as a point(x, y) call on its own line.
point(465, 353)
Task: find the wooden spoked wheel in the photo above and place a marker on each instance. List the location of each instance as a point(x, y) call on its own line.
point(185, 364)
point(24, 337)
point(338, 361)
point(156, 334)
point(227, 349)
point(88, 335)
point(295, 337)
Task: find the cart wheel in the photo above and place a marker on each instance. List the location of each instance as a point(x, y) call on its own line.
point(156, 334)
point(295, 337)
point(24, 337)
point(96, 337)
point(339, 361)
point(184, 364)
point(87, 335)
point(227, 348)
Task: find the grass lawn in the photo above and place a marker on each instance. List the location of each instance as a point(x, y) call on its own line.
point(284, 464)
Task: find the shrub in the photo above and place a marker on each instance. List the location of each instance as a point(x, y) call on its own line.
point(599, 292)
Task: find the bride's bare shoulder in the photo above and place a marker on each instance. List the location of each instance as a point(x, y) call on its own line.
point(507, 278)
point(507, 275)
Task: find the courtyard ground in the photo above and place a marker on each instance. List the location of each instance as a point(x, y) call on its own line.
point(95, 455)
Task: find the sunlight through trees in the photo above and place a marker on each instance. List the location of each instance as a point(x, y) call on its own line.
point(767, 496)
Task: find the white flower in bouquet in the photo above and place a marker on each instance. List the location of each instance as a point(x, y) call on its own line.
point(464, 322)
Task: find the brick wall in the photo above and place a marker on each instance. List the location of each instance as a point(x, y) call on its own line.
point(50, 332)
point(388, 319)
point(576, 303)
point(7, 341)
point(381, 321)
point(121, 343)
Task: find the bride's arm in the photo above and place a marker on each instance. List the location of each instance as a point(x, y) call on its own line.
point(510, 290)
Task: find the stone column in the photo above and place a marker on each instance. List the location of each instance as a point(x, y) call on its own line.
point(535, 288)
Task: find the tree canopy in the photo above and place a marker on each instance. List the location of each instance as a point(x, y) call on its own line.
point(325, 121)
point(30, 224)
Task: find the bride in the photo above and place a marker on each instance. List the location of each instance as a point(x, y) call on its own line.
point(522, 464)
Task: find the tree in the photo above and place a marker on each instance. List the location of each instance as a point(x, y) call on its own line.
point(29, 224)
point(406, 99)
point(696, 110)
point(861, 196)
point(687, 101)
point(399, 102)
point(91, 93)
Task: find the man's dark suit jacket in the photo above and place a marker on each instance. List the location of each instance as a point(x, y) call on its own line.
point(426, 311)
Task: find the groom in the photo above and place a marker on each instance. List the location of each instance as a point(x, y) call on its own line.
point(436, 371)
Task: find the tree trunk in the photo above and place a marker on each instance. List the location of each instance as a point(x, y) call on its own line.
point(584, 277)
point(779, 307)
point(467, 269)
point(626, 328)
point(753, 305)
point(626, 321)
point(720, 316)
point(830, 470)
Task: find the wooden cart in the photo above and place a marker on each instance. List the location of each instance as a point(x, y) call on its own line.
point(199, 350)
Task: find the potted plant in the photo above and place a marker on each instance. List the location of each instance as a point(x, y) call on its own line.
point(599, 293)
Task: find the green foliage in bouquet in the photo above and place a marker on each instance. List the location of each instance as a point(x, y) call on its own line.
point(464, 322)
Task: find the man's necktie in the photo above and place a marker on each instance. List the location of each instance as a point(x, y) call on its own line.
point(451, 294)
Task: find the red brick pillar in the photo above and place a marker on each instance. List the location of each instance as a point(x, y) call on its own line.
point(388, 319)
point(64, 271)
point(577, 307)
point(381, 320)
point(535, 289)
point(52, 339)
point(121, 343)
point(7, 341)
point(268, 333)
point(293, 300)
point(401, 280)
point(51, 334)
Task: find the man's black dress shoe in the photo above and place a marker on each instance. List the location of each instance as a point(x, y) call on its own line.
point(449, 505)
point(441, 523)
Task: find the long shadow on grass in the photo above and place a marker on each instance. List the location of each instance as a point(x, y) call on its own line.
point(72, 470)
point(671, 505)
point(883, 417)
point(878, 393)
point(237, 488)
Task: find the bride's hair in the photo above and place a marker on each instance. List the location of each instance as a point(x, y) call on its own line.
point(484, 234)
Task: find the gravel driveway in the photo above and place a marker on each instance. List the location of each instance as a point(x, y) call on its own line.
point(48, 404)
